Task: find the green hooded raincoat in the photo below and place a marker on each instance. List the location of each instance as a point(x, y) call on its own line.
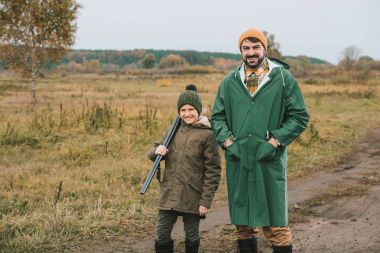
point(256, 171)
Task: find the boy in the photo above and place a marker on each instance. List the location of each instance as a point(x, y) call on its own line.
point(191, 176)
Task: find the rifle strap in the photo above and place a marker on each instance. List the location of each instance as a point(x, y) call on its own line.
point(158, 175)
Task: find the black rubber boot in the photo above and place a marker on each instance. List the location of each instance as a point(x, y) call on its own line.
point(282, 249)
point(164, 247)
point(192, 246)
point(247, 245)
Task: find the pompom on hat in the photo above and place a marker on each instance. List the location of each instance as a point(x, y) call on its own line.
point(190, 97)
point(255, 34)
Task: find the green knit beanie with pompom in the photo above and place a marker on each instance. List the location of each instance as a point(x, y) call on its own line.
point(190, 97)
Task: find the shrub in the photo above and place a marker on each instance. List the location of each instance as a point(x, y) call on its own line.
point(172, 61)
point(149, 61)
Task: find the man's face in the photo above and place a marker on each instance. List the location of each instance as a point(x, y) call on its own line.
point(252, 53)
point(188, 114)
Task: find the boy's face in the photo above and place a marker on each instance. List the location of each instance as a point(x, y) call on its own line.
point(188, 114)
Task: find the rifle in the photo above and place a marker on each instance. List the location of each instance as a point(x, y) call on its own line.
point(169, 137)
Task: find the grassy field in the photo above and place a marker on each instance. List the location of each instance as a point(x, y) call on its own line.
point(71, 167)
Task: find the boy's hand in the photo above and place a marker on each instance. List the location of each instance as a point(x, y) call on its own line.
point(202, 211)
point(161, 150)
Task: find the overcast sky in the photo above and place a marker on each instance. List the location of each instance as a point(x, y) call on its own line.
point(317, 28)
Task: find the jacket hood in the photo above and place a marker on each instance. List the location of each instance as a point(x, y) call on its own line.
point(272, 62)
point(202, 122)
point(279, 62)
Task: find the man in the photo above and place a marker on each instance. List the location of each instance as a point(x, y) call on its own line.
point(259, 110)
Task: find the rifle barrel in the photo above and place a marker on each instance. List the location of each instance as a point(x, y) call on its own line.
point(169, 137)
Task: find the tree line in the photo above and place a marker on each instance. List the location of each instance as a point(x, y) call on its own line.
point(36, 36)
point(145, 58)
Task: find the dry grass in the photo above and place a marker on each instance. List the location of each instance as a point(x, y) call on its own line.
point(92, 134)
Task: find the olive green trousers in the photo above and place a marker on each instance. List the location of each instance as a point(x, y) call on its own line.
point(166, 220)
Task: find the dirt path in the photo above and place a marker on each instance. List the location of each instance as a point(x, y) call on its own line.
point(345, 205)
point(336, 210)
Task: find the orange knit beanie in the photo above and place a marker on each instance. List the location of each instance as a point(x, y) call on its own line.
point(256, 34)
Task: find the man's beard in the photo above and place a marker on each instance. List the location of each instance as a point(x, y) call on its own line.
point(254, 65)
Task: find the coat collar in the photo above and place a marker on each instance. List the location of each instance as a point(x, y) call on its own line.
point(271, 64)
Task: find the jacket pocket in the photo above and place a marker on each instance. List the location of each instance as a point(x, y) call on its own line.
point(195, 186)
point(266, 152)
point(195, 179)
point(191, 193)
point(233, 151)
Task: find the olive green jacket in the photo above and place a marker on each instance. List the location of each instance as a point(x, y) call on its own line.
point(192, 169)
point(256, 171)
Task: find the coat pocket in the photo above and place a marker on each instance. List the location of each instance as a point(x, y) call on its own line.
point(191, 193)
point(193, 180)
point(266, 152)
point(195, 186)
point(233, 151)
